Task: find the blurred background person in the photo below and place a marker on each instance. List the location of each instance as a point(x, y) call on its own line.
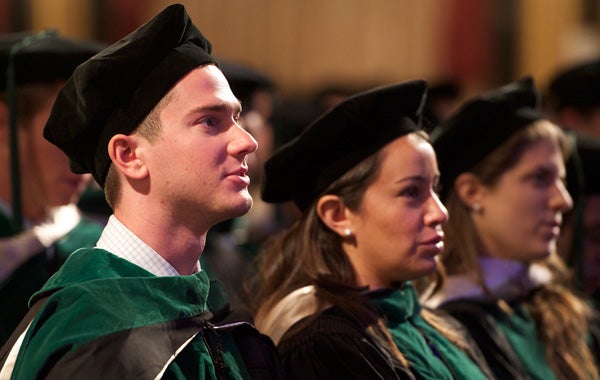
point(39, 222)
point(233, 244)
point(258, 95)
point(572, 99)
point(503, 173)
point(579, 242)
point(443, 98)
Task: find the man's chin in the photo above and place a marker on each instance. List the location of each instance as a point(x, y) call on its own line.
point(243, 207)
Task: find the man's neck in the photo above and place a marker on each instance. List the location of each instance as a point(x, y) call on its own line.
point(177, 244)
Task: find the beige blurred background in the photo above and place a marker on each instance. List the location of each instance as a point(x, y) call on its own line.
point(306, 44)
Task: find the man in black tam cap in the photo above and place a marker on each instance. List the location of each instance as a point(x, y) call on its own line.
point(40, 224)
point(154, 120)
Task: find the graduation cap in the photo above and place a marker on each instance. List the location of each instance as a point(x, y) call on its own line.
point(482, 124)
point(339, 139)
point(42, 57)
point(577, 86)
point(34, 57)
point(115, 90)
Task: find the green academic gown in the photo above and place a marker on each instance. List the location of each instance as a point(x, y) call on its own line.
point(31, 275)
point(106, 318)
point(430, 354)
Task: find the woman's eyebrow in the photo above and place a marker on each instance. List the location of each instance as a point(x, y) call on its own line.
point(412, 178)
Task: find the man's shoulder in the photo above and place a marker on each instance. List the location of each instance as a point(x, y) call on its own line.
point(117, 344)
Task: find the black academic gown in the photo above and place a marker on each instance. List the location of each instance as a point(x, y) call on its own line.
point(334, 347)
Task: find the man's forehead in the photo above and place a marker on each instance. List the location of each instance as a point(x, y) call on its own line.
point(207, 87)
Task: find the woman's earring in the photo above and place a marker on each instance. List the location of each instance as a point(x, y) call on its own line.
point(347, 232)
point(476, 207)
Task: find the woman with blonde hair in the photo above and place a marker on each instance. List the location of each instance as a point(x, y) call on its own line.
point(334, 291)
point(503, 174)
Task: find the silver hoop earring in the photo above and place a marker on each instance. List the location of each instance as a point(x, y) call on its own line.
point(347, 232)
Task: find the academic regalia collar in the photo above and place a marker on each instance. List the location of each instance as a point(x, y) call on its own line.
point(398, 304)
point(505, 279)
point(292, 308)
point(431, 355)
point(99, 268)
point(303, 302)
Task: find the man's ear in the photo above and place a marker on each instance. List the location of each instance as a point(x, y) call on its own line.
point(334, 213)
point(123, 151)
point(469, 190)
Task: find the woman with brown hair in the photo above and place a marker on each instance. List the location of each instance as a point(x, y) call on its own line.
point(503, 173)
point(334, 290)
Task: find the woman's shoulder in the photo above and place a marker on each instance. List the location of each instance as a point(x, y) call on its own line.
point(333, 345)
point(329, 324)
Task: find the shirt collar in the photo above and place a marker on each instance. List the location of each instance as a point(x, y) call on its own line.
point(120, 241)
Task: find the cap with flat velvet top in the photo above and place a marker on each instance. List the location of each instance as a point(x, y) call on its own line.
point(115, 90)
point(42, 57)
point(481, 125)
point(339, 139)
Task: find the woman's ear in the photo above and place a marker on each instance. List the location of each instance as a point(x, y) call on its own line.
point(333, 212)
point(469, 190)
point(124, 153)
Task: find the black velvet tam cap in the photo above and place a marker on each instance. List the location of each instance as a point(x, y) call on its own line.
point(339, 139)
point(481, 125)
point(577, 86)
point(41, 57)
point(115, 90)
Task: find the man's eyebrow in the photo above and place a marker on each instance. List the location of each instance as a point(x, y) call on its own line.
point(220, 107)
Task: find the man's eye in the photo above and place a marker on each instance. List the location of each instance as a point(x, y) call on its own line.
point(209, 122)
